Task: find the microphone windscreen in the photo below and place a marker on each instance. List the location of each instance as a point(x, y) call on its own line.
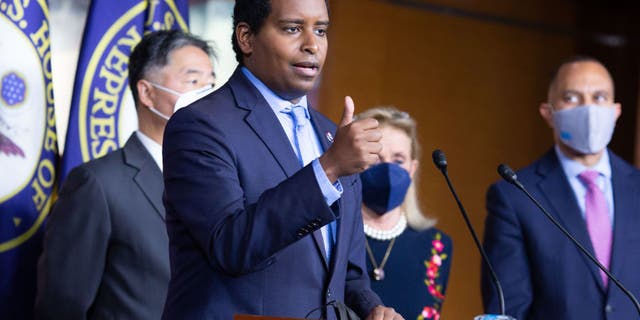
point(439, 159)
point(507, 173)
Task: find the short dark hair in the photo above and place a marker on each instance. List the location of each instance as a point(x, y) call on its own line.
point(252, 12)
point(153, 52)
point(572, 60)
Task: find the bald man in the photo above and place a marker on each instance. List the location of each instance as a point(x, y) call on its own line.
point(589, 190)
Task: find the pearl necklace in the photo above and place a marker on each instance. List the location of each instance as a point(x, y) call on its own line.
point(386, 234)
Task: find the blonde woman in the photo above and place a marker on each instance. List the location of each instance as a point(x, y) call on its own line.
point(407, 257)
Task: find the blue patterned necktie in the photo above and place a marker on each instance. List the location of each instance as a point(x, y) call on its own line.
point(306, 153)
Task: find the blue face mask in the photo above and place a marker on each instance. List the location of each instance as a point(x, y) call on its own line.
point(384, 187)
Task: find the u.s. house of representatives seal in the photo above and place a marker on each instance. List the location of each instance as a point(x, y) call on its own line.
point(28, 143)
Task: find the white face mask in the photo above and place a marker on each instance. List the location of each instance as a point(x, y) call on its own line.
point(184, 99)
point(586, 129)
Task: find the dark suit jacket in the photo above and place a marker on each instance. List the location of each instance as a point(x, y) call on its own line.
point(243, 218)
point(543, 274)
point(106, 247)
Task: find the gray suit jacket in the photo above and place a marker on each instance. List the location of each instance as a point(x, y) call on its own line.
point(105, 246)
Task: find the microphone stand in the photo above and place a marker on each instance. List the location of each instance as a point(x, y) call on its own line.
point(440, 161)
point(510, 176)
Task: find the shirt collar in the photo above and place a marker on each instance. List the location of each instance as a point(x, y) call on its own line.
point(154, 148)
point(275, 102)
point(573, 168)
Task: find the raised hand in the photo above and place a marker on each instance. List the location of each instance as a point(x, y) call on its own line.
point(356, 145)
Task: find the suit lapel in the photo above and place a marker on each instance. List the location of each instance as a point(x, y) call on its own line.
point(626, 205)
point(556, 189)
point(148, 177)
point(325, 134)
point(264, 122)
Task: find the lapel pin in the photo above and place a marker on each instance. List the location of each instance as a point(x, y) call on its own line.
point(329, 136)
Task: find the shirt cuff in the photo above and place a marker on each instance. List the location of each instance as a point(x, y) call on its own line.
point(331, 192)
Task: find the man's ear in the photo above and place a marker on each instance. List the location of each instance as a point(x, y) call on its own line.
point(145, 93)
point(618, 108)
point(244, 36)
point(546, 111)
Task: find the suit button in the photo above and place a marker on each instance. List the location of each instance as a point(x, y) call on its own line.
point(608, 308)
point(328, 294)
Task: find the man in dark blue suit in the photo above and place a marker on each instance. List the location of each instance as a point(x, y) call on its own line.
point(261, 197)
point(589, 190)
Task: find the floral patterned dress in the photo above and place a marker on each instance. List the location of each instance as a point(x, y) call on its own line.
point(416, 272)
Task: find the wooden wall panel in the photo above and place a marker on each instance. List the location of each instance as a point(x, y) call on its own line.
point(474, 86)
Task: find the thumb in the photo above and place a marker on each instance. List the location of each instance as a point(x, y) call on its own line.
point(347, 115)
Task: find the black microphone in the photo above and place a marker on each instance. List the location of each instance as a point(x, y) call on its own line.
point(440, 161)
point(508, 175)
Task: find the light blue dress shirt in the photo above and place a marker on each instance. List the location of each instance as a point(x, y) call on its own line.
point(573, 168)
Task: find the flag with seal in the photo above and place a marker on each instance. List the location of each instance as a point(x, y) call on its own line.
point(28, 149)
point(102, 113)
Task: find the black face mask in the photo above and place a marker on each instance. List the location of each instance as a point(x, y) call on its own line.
point(384, 187)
